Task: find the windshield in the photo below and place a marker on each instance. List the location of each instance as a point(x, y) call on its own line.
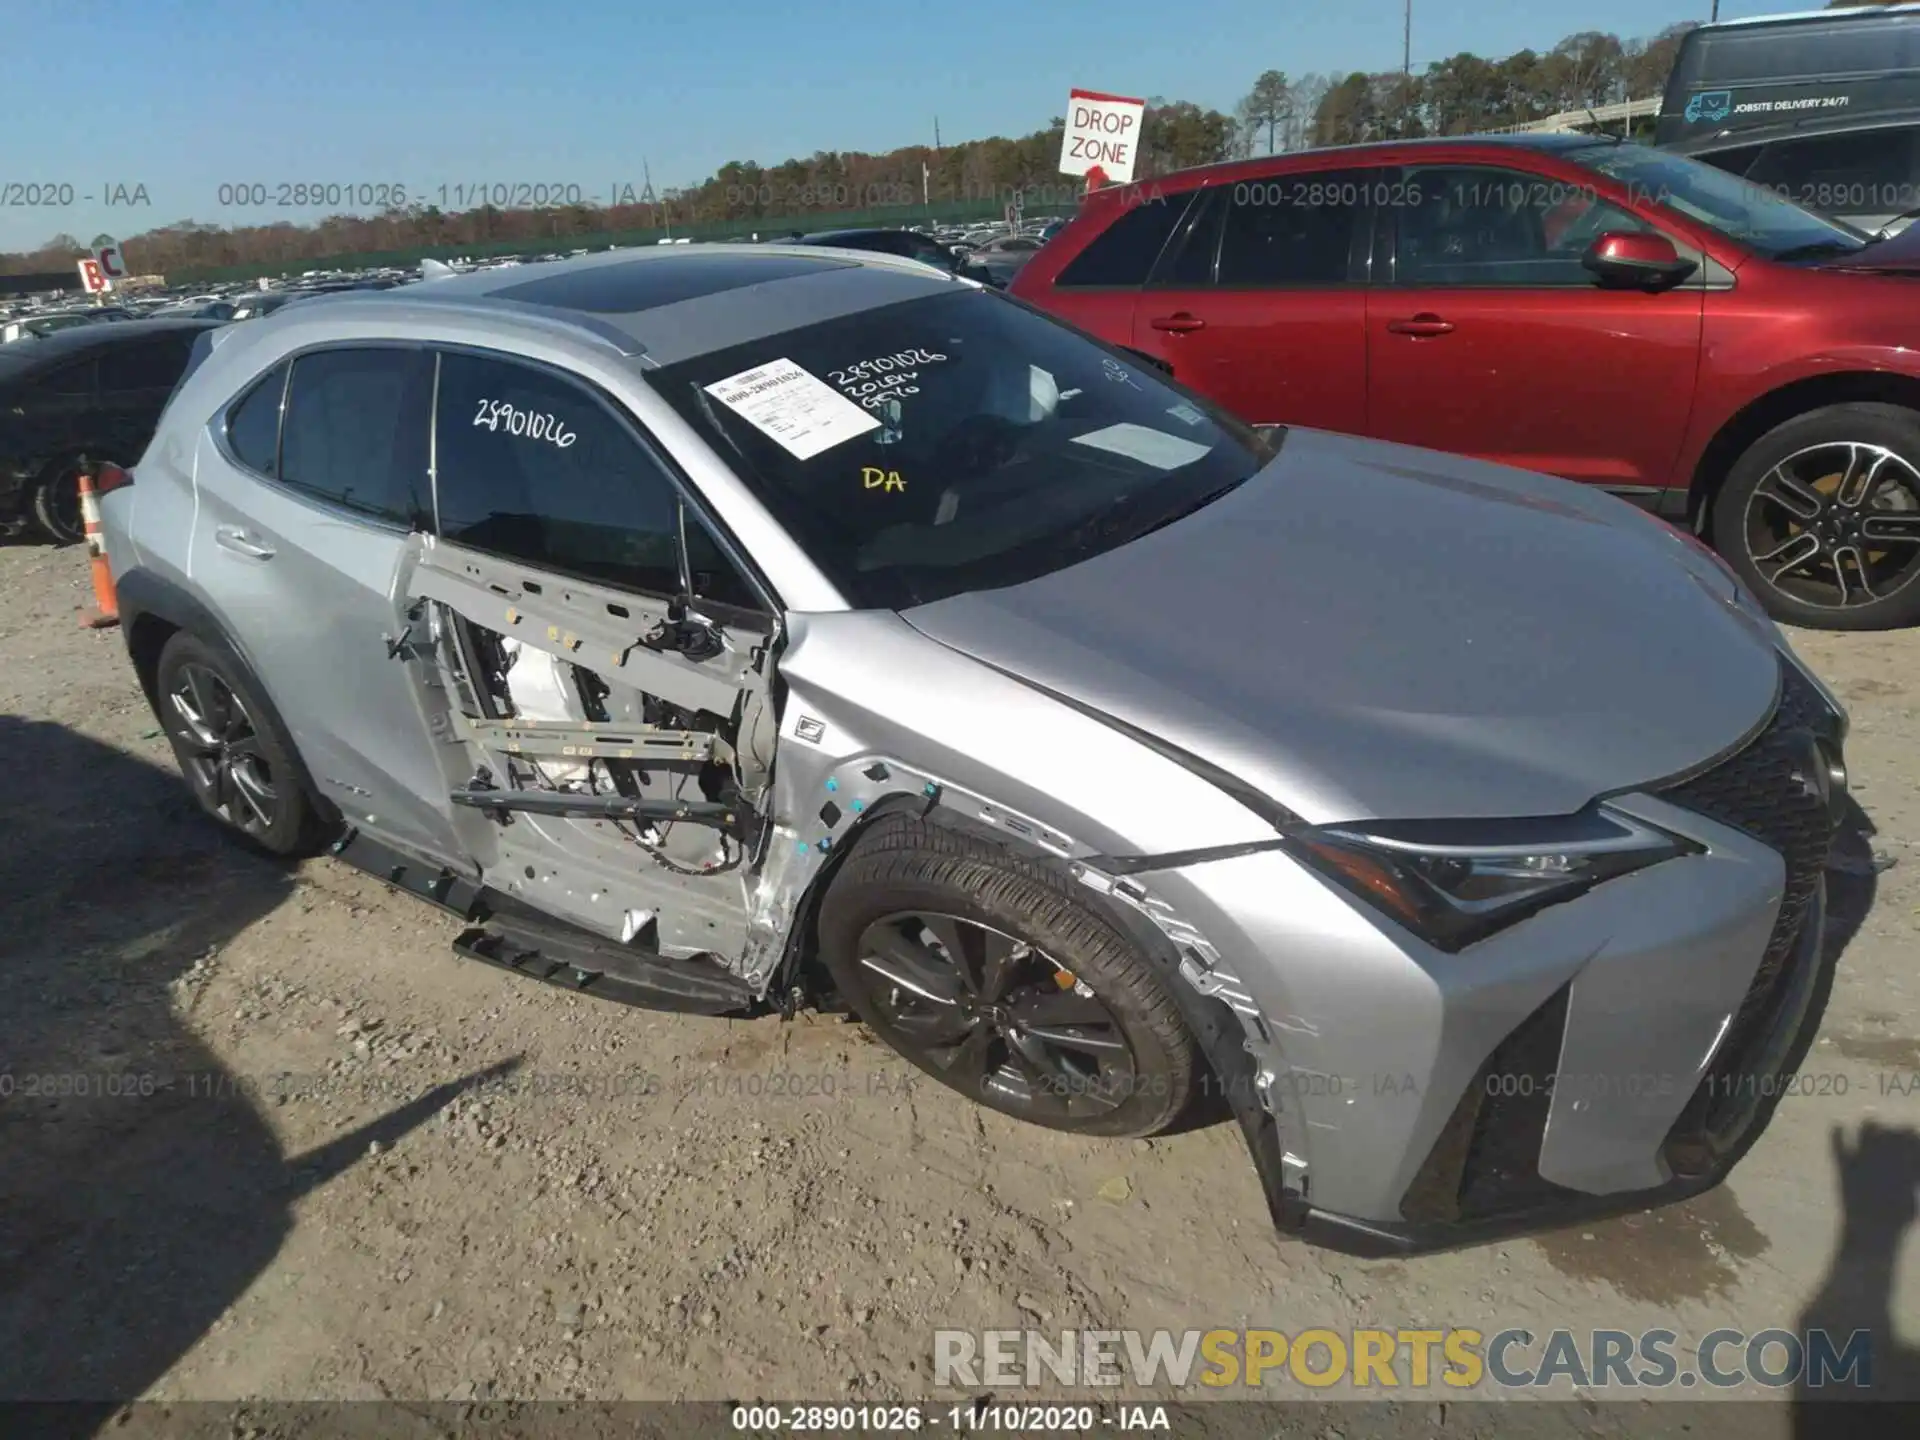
point(1749, 213)
point(959, 442)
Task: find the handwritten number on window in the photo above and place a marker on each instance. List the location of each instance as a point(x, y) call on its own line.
point(531, 424)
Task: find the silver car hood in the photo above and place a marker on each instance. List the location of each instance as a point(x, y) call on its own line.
point(1367, 631)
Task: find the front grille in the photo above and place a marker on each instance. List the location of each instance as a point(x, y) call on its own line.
point(1757, 792)
point(1502, 1172)
point(1486, 1161)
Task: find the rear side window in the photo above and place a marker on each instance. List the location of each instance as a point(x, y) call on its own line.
point(1123, 253)
point(533, 467)
point(149, 365)
point(1294, 229)
point(1188, 262)
point(253, 425)
point(356, 431)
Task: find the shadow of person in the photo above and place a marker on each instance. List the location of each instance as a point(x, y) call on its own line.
point(141, 1191)
point(1879, 1198)
point(1879, 1178)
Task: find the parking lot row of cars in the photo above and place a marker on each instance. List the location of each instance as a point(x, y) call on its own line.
point(995, 253)
point(36, 317)
point(87, 381)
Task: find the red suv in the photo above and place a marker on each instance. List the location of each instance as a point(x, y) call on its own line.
point(1587, 307)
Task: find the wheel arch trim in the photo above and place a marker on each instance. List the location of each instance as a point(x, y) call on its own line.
point(1847, 382)
point(1233, 1034)
point(147, 600)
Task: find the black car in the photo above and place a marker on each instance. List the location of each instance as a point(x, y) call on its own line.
point(94, 391)
point(1821, 107)
point(52, 322)
point(909, 243)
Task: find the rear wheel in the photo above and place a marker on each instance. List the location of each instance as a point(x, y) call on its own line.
point(55, 502)
point(1821, 518)
point(233, 761)
point(992, 976)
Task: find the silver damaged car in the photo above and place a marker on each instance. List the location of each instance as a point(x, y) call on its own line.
point(730, 629)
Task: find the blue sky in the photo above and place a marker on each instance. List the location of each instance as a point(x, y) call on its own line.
point(181, 96)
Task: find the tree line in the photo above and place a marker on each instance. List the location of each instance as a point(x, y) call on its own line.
point(1459, 95)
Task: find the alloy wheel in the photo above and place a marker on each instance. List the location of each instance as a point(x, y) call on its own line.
point(222, 753)
point(1836, 525)
point(996, 1017)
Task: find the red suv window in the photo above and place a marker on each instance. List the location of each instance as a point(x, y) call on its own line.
point(1124, 253)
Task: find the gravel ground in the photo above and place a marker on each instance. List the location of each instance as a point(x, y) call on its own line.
point(728, 1208)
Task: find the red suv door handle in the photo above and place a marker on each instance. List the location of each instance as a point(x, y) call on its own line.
point(1180, 323)
point(1421, 325)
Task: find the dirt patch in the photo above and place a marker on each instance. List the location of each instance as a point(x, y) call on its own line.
point(1893, 1051)
point(1683, 1252)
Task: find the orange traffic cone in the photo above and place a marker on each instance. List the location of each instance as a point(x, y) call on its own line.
point(106, 603)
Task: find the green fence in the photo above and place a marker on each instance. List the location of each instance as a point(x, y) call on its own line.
point(765, 226)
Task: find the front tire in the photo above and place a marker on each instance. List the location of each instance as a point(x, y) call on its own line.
point(990, 974)
point(227, 747)
point(1821, 518)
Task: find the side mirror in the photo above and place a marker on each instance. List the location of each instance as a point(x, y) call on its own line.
point(1636, 260)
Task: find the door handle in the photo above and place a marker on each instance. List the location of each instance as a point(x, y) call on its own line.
point(232, 537)
point(1421, 325)
point(1179, 323)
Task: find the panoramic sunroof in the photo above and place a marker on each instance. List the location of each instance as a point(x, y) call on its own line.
point(647, 284)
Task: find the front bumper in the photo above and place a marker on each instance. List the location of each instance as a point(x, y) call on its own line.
point(1612, 1053)
point(1727, 1113)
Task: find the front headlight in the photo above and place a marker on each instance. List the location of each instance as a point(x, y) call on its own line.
point(1455, 883)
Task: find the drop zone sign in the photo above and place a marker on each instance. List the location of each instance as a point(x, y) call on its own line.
point(1103, 137)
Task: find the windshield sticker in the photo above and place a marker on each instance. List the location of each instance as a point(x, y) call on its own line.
point(1186, 414)
point(1150, 447)
point(533, 424)
point(874, 478)
point(793, 407)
